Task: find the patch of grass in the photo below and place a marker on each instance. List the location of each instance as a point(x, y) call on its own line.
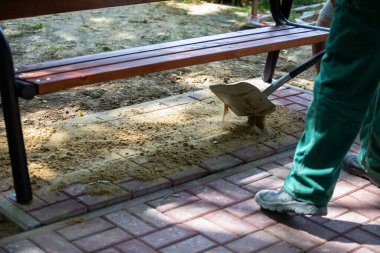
point(37, 26)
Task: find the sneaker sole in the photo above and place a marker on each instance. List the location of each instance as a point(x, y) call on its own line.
point(293, 206)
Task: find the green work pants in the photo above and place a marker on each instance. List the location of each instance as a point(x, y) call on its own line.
point(346, 99)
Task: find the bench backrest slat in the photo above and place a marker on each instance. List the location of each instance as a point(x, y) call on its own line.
point(13, 9)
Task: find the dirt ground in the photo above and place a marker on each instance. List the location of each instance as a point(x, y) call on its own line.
point(52, 148)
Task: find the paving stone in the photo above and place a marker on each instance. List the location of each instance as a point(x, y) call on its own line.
point(75, 190)
point(334, 210)
point(363, 208)
point(219, 249)
point(373, 189)
point(134, 246)
point(247, 176)
point(355, 148)
point(286, 92)
point(129, 223)
point(296, 107)
point(85, 228)
point(294, 237)
point(346, 222)
point(366, 196)
point(192, 245)
point(58, 211)
point(51, 242)
point(271, 182)
point(231, 190)
point(93, 202)
point(339, 245)
point(102, 240)
point(285, 161)
point(210, 195)
point(186, 175)
point(282, 143)
point(304, 224)
point(306, 96)
point(299, 100)
point(297, 134)
point(364, 250)
point(108, 250)
point(243, 209)
point(373, 227)
point(230, 223)
point(23, 246)
point(354, 180)
point(172, 201)
point(252, 152)
point(343, 188)
point(178, 101)
point(276, 170)
point(151, 215)
point(260, 220)
point(167, 236)
point(191, 211)
point(219, 163)
point(138, 188)
point(365, 239)
point(253, 242)
point(199, 95)
point(51, 197)
point(281, 247)
point(211, 230)
point(281, 101)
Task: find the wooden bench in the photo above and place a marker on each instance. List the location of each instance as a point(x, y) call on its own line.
point(47, 77)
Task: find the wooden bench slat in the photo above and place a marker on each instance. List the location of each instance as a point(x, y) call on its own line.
point(73, 60)
point(158, 52)
point(155, 64)
point(12, 9)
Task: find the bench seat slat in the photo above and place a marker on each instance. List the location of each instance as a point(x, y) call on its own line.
point(157, 52)
point(116, 53)
point(154, 64)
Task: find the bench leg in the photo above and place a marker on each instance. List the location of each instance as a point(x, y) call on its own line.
point(272, 57)
point(13, 127)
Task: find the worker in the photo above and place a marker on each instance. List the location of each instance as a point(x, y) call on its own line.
point(346, 99)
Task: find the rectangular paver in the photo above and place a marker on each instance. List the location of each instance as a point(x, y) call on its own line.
point(129, 223)
point(192, 245)
point(231, 223)
point(191, 211)
point(85, 228)
point(151, 216)
point(58, 211)
point(172, 201)
point(253, 242)
point(231, 190)
point(22, 246)
point(134, 246)
point(167, 236)
point(211, 230)
point(102, 240)
point(51, 242)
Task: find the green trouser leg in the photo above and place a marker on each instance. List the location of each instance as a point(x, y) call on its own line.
point(369, 156)
point(343, 93)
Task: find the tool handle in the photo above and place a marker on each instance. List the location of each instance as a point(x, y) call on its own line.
point(305, 65)
point(293, 73)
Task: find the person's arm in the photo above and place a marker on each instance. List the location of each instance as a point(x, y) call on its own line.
point(324, 20)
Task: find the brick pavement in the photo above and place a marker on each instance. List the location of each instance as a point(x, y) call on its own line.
point(214, 213)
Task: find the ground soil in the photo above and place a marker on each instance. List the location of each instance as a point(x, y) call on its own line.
point(59, 154)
